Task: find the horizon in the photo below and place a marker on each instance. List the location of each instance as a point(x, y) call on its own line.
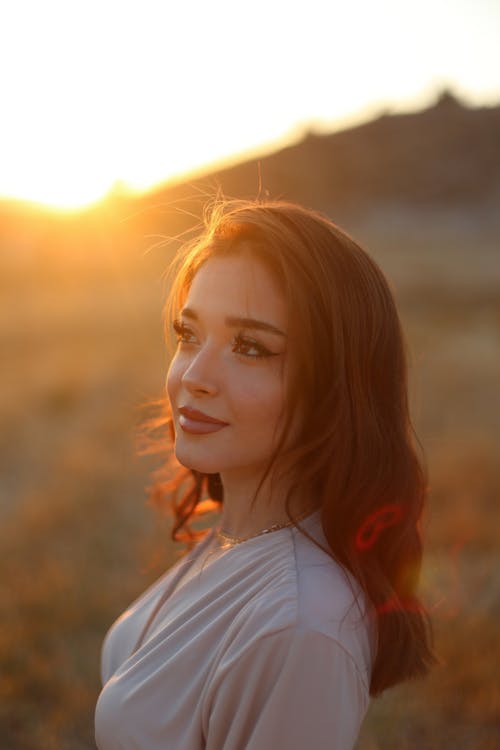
point(119, 190)
point(110, 96)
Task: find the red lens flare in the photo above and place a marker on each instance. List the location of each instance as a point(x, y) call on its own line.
point(369, 531)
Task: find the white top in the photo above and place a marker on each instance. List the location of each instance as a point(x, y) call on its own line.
point(262, 647)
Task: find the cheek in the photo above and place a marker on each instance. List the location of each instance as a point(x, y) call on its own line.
point(173, 380)
point(261, 399)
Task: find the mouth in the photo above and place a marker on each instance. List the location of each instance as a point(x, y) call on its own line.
point(197, 423)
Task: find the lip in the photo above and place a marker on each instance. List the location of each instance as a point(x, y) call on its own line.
point(197, 422)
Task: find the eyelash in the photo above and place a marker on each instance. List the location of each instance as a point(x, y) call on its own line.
point(262, 351)
point(182, 331)
point(185, 335)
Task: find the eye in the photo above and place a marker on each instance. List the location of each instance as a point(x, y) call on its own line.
point(248, 347)
point(184, 334)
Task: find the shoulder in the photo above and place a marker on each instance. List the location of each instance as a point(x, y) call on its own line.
point(329, 598)
point(330, 601)
point(311, 600)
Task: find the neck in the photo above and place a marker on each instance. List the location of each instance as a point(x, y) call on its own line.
point(248, 508)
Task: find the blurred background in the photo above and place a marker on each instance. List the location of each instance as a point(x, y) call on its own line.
point(120, 120)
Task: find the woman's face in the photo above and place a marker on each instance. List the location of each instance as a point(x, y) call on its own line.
point(226, 382)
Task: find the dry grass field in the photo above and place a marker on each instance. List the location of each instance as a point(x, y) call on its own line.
point(82, 352)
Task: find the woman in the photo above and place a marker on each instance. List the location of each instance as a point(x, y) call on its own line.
point(288, 402)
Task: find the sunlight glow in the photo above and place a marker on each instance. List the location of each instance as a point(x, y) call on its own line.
point(134, 93)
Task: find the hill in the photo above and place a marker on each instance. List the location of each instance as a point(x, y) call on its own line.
point(442, 159)
point(446, 155)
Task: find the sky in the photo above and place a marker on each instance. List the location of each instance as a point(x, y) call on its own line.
point(100, 93)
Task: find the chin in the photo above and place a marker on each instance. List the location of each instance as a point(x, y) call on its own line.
point(202, 464)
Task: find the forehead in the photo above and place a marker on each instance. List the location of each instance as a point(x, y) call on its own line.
point(237, 286)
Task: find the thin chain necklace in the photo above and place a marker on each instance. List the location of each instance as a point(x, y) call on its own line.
point(227, 540)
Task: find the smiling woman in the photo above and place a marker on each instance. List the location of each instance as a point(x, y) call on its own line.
point(229, 361)
point(288, 405)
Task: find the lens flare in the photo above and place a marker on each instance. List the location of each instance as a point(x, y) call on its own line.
point(371, 528)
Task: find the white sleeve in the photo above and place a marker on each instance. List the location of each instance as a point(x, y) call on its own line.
point(293, 689)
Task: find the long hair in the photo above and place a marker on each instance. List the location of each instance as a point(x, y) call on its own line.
point(355, 450)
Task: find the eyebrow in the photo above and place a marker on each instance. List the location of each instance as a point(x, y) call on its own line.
point(236, 322)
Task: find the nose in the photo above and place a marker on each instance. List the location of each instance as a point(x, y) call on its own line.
point(199, 377)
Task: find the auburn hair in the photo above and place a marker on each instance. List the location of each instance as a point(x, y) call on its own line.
point(355, 451)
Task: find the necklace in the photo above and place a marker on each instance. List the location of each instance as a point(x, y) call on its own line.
point(226, 541)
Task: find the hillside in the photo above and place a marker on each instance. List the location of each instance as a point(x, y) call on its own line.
point(446, 155)
point(442, 159)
